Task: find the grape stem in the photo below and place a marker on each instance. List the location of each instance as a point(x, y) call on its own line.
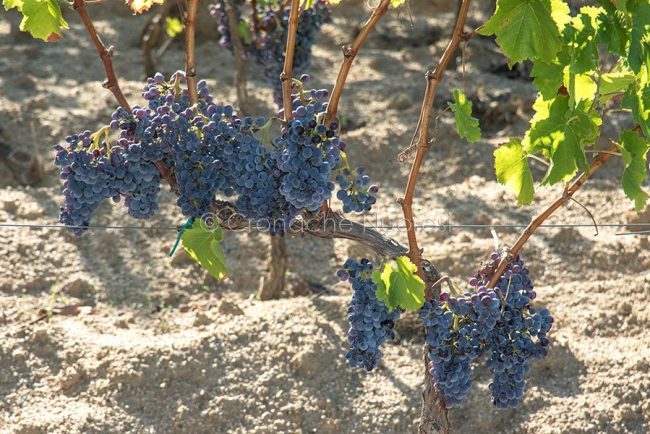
point(349, 54)
point(190, 58)
point(287, 70)
point(105, 55)
point(539, 219)
point(433, 82)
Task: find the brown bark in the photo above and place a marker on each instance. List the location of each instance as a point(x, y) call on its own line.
point(273, 285)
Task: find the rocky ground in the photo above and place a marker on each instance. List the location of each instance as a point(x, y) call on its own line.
point(159, 346)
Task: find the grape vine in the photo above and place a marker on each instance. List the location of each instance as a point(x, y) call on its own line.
point(587, 63)
point(265, 36)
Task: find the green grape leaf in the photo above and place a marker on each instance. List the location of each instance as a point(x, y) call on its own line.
point(173, 26)
point(621, 5)
point(612, 83)
point(10, 4)
point(41, 18)
point(634, 150)
point(561, 13)
point(204, 246)
point(580, 86)
point(512, 170)
point(639, 53)
point(547, 77)
point(638, 100)
point(467, 126)
point(401, 286)
point(612, 31)
point(563, 134)
point(582, 39)
point(525, 29)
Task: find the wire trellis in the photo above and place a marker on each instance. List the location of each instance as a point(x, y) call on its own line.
point(441, 227)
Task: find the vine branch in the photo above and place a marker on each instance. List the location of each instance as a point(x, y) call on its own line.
point(238, 52)
point(104, 54)
point(190, 58)
point(433, 82)
point(349, 54)
point(287, 70)
point(327, 225)
point(541, 217)
point(111, 82)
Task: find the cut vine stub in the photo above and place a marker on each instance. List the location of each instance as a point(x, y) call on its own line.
point(431, 277)
point(487, 269)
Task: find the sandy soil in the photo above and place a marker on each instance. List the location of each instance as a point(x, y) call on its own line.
point(164, 348)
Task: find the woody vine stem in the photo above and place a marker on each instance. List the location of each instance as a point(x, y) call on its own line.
point(328, 224)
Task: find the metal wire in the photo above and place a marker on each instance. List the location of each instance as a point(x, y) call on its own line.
point(58, 226)
point(440, 226)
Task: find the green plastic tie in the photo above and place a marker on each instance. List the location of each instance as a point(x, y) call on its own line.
point(188, 224)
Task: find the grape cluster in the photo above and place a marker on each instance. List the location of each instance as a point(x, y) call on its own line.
point(500, 322)
point(269, 40)
point(355, 192)
point(370, 321)
point(209, 150)
point(307, 152)
point(456, 328)
point(218, 12)
point(87, 180)
point(519, 336)
point(93, 172)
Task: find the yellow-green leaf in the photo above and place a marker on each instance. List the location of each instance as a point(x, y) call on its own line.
point(581, 86)
point(42, 19)
point(203, 244)
point(399, 285)
point(10, 4)
point(173, 26)
point(525, 29)
point(467, 126)
point(562, 134)
point(634, 150)
point(612, 83)
point(512, 170)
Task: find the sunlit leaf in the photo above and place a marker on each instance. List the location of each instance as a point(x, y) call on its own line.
point(173, 26)
point(203, 244)
point(467, 126)
point(399, 285)
point(525, 29)
point(512, 170)
point(634, 149)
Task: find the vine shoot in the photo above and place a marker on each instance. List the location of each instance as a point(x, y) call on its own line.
point(424, 179)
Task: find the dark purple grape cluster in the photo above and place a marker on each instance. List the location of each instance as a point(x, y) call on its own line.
point(519, 336)
point(268, 42)
point(499, 322)
point(307, 152)
point(456, 329)
point(94, 171)
point(355, 191)
point(209, 150)
point(218, 12)
point(371, 323)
